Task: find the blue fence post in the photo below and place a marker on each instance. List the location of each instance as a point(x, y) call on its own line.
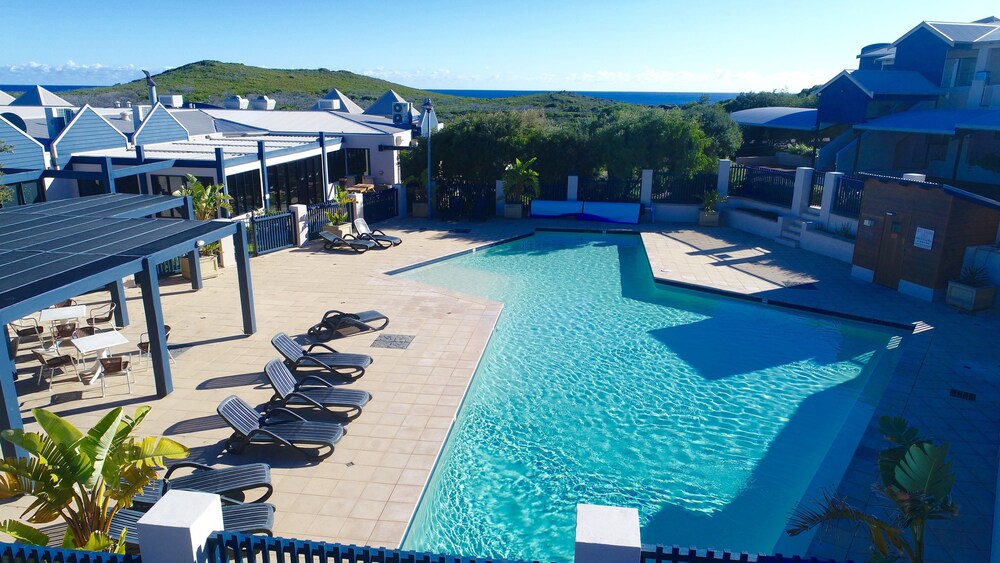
point(10, 417)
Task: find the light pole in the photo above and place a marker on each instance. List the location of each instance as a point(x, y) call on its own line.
point(428, 123)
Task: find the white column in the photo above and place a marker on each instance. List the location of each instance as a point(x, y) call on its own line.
point(722, 184)
point(572, 184)
point(501, 201)
point(228, 256)
point(607, 534)
point(646, 187)
point(802, 189)
point(402, 199)
point(176, 529)
point(830, 183)
point(359, 205)
point(301, 216)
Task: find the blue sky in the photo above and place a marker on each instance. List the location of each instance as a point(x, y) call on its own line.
point(711, 45)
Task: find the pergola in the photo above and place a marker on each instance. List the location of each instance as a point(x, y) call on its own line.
point(53, 251)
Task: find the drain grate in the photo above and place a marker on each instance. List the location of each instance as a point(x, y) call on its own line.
point(964, 395)
point(398, 341)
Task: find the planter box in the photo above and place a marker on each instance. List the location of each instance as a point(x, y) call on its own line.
point(970, 298)
point(339, 230)
point(708, 218)
point(419, 209)
point(513, 211)
point(209, 267)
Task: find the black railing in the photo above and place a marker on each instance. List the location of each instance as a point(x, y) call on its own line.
point(171, 267)
point(227, 547)
point(671, 188)
point(847, 200)
point(661, 554)
point(763, 184)
point(464, 201)
point(816, 195)
point(552, 192)
point(316, 216)
point(381, 205)
point(611, 189)
point(273, 232)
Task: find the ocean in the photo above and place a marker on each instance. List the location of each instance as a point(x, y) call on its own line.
point(642, 98)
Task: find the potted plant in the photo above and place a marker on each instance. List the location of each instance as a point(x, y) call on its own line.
point(417, 184)
point(83, 477)
point(520, 184)
point(709, 216)
point(338, 219)
point(206, 201)
point(972, 291)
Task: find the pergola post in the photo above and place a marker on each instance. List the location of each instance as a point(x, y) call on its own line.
point(324, 167)
point(10, 415)
point(243, 275)
point(194, 263)
point(140, 155)
point(109, 179)
point(150, 284)
point(117, 291)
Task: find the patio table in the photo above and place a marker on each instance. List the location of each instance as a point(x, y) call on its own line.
point(100, 341)
point(56, 314)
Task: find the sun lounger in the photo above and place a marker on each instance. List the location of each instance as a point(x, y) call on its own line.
point(345, 367)
point(231, 483)
point(256, 518)
point(251, 426)
point(378, 237)
point(313, 391)
point(336, 324)
point(334, 242)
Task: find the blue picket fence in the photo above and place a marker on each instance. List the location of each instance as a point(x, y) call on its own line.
point(381, 205)
point(19, 553)
point(273, 232)
point(226, 547)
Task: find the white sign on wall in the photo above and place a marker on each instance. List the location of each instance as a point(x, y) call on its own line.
point(924, 238)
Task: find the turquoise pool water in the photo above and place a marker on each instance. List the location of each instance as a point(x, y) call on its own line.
point(711, 416)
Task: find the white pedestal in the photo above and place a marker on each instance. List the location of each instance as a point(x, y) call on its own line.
point(607, 534)
point(175, 530)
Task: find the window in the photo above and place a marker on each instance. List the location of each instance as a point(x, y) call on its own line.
point(937, 148)
point(246, 192)
point(958, 72)
point(349, 162)
point(296, 182)
point(25, 193)
point(167, 185)
point(90, 187)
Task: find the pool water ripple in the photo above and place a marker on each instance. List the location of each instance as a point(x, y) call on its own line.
point(600, 387)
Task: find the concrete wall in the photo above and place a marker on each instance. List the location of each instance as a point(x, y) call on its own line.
point(827, 245)
point(750, 223)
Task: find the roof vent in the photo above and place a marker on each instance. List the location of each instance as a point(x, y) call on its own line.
point(125, 116)
point(236, 102)
point(262, 103)
point(172, 101)
point(324, 104)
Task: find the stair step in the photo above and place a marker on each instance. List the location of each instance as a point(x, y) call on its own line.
point(787, 241)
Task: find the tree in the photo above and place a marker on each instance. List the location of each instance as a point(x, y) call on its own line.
point(747, 100)
point(206, 200)
point(630, 138)
point(724, 134)
point(83, 478)
point(6, 194)
point(519, 179)
point(915, 477)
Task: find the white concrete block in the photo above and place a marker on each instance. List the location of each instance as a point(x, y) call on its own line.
point(572, 186)
point(646, 187)
point(607, 534)
point(176, 528)
point(722, 184)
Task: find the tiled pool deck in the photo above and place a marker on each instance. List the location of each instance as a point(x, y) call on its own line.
point(367, 490)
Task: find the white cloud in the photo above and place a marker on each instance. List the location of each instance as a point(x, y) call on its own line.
point(70, 72)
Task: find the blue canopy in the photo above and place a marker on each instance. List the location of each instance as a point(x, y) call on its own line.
point(930, 122)
point(796, 119)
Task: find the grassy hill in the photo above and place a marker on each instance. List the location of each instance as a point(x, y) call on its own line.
point(212, 81)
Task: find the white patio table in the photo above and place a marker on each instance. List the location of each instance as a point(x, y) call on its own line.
point(56, 314)
point(100, 341)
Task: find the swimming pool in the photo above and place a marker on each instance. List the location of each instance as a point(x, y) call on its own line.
point(712, 416)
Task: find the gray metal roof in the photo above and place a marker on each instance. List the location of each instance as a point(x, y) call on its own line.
point(383, 105)
point(931, 122)
point(963, 32)
point(889, 83)
point(38, 96)
point(5, 98)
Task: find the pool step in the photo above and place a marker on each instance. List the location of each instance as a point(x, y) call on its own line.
point(791, 232)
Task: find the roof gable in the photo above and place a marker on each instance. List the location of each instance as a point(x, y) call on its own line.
point(5, 98)
point(28, 154)
point(39, 96)
point(159, 127)
point(887, 82)
point(346, 104)
point(88, 131)
point(383, 105)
